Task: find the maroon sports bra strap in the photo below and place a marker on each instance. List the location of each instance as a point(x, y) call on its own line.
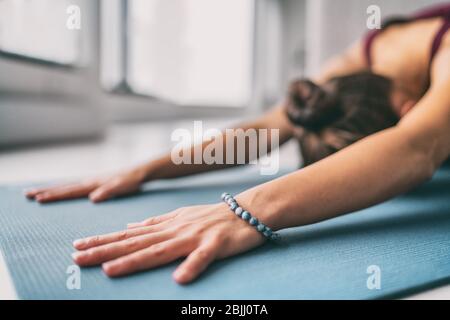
point(438, 38)
point(368, 46)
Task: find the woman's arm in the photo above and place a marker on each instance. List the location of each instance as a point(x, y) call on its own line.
point(165, 168)
point(103, 188)
point(370, 171)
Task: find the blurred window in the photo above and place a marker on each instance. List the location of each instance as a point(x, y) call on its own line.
point(191, 52)
point(37, 30)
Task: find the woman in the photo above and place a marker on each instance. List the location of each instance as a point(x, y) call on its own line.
point(401, 71)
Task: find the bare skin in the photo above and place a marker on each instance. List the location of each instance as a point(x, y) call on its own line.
point(391, 162)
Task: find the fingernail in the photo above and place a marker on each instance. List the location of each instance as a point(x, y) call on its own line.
point(96, 196)
point(78, 243)
point(108, 268)
point(76, 255)
point(179, 276)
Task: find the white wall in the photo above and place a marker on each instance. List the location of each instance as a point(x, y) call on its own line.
point(294, 50)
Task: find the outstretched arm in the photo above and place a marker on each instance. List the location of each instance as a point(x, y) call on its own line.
point(372, 170)
point(164, 168)
point(103, 188)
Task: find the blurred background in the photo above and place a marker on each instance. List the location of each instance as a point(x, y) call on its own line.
point(78, 100)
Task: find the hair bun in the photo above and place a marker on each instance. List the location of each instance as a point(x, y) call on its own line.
point(311, 106)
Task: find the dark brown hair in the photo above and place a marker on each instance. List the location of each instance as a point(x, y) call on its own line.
point(344, 110)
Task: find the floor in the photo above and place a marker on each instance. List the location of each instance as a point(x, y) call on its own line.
point(122, 146)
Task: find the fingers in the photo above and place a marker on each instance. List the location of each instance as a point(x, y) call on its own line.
point(153, 220)
point(110, 251)
point(195, 264)
point(57, 193)
point(110, 190)
point(95, 241)
point(153, 256)
point(31, 193)
point(97, 190)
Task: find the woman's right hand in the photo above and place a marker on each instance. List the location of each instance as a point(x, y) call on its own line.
point(97, 189)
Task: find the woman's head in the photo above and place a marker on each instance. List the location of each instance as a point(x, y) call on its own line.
point(340, 112)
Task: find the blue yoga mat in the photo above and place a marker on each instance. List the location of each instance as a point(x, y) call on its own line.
point(407, 238)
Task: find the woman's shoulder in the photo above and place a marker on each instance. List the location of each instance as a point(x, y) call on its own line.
point(440, 67)
point(445, 44)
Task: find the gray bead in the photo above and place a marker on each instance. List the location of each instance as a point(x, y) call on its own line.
point(238, 211)
point(246, 215)
point(253, 221)
point(261, 227)
point(275, 236)
point(267, 232)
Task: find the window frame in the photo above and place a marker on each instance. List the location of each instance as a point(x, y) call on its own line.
point(33, 60)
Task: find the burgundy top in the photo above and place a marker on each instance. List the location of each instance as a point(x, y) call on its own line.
point(441, 10)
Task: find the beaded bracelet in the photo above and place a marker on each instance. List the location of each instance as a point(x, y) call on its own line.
point(243, 214)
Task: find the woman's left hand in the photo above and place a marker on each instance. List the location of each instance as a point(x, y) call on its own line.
point(200, 233)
